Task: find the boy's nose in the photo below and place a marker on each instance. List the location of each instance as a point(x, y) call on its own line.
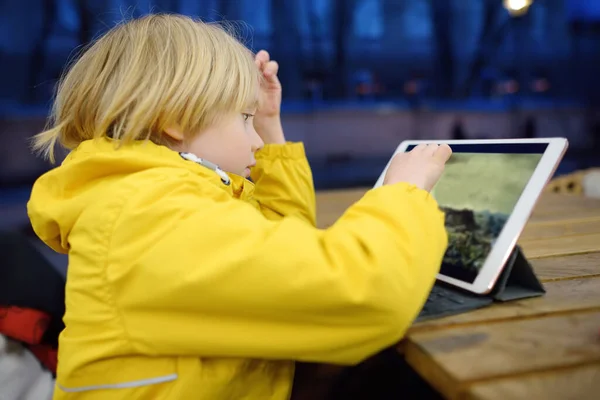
point(257, 142)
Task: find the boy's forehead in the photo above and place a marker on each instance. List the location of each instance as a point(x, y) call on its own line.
point(255, 102)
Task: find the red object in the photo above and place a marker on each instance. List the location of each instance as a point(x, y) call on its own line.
point(28, 326)
point(46, 355)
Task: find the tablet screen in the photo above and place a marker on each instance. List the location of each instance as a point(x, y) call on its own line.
point(478, 191)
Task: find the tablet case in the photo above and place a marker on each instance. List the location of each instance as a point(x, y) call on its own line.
point(518, 280)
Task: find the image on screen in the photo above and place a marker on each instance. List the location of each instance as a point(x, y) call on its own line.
point(478, 192)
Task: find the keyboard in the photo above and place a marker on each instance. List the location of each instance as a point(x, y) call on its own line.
point(444, 301)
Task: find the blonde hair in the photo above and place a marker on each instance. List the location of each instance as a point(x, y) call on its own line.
point(147, 74)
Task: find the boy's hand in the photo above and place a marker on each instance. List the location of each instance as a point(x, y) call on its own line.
point(422, 166)
point(267, 121)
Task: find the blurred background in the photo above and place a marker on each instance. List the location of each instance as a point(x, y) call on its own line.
point(359, 76)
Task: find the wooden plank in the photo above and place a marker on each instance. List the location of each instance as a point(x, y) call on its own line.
point(329, 210)
point(548, 202)
point(546, 230)
point(566, 215)
point(548, 199)
point(553, 203)
point(452, 359)
point(550, 208)
point(561, 246)
point(332, 204)
point(343, 195)
point(569, 267)
point(581, 383)
point(562, 208)
point(561, 297)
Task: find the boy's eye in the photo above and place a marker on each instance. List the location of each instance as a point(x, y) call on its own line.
point(247, 116)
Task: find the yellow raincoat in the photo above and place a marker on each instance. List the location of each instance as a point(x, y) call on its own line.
point(182, 287)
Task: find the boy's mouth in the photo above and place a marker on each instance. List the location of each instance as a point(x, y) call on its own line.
point(248, 169)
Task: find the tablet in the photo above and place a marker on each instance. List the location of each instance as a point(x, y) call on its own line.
point(488, 191)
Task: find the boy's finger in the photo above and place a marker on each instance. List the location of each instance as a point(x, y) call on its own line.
point(443, 153)
point(431, 149)
point(419, 148)
point(263, 56)
point(271, 68)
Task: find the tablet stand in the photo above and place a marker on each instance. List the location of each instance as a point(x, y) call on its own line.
point(518, 280)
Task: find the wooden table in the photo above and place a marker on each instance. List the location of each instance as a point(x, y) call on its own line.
point(542, 348)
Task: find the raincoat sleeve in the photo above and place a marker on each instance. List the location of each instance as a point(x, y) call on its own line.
point(203, 274)
point(284, 182)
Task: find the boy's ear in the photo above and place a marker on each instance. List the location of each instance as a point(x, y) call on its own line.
point(175, 133)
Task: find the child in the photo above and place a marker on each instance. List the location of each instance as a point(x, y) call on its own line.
point(187, 281)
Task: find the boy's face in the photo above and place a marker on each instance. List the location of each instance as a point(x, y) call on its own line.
point(230, 143)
